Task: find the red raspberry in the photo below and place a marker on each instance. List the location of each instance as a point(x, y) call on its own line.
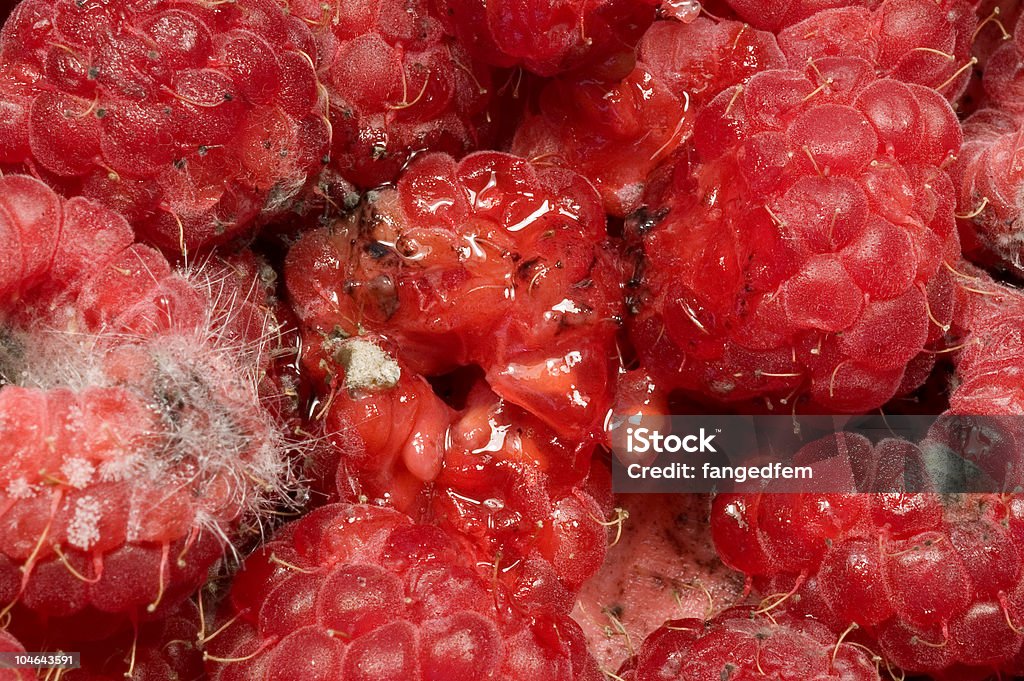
point(132, 435)
point(397, 84)
point(741, 644)
point(526, 498)
point(353, 593)
point(798, 183)
point(547, 36)
point(191, 118)
point(934, 583)
point(486, 262)
point(616, 131)
point(926, 42)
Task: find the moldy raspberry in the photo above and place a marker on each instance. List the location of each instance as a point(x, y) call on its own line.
point(135, 444)
point(488, 261)
point(530, 502)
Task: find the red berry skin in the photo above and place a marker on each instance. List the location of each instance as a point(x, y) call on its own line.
point(489, 262)
point(174, 115)
point(164, 649)
point(739, 643)
point(800, 181)
point(990, 318)
point(119, 481)
point(358, 592)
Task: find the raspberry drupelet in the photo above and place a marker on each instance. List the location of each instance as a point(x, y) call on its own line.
point(763, 274)
point(135, 441)
point(193, 119)
point(360, 593)
point(9, 644)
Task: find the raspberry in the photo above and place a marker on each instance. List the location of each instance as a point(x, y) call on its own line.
point(741, 644)
point(798, 183)
point(190, 118)
point(488, 262)
point(615, 132)
point(357, 592)
point(521, 492)
point(915, 41)
point(932, 583)
point(397, 83)
point(528, 500)
point(133, 440)
point(547, 36)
